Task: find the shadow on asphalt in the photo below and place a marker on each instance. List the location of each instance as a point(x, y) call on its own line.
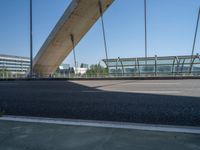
point(63, 99)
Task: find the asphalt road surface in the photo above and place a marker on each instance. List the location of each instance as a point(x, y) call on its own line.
point(174, 102)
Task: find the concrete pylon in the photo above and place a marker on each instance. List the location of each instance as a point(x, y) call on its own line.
point(79, 17)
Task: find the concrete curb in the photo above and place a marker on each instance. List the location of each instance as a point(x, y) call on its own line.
point(105, 124)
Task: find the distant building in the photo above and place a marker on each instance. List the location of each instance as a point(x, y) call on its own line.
point(82, 69)
point(14, 64)
point(84, 66)
point(65, 69)
point(20, 65)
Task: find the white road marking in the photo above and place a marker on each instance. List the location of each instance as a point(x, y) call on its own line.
point(142, 83)
point(157, 92)
point(128, 91)
point(92, 91)
point(148, 92)
point(105, 124)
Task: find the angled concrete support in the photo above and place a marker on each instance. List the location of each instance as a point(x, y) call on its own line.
point(79, 17)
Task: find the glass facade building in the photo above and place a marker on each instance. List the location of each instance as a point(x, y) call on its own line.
point(14, 64)
point(154, 66)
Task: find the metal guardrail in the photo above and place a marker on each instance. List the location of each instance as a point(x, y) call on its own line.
point(102, 76)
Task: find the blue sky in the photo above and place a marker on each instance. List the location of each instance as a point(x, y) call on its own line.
point(171, 25)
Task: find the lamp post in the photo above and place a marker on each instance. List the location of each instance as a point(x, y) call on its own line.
point(145, 26)
point(196, 31)
point(31, 41)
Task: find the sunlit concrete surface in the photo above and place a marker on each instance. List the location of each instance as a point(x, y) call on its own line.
point(174, 102)
point(157, 87)
point(79, 17)
point(31, 136)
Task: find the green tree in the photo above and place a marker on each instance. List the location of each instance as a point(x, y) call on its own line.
point(4, 73)
point(97, 70)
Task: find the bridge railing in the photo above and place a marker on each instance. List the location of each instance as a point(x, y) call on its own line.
point(155, 66)
point(131, 67)
point(111, 75)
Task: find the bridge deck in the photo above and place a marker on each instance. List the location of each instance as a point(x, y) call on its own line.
point(174, 102)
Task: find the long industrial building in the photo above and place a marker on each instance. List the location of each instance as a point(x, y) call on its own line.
point(19, 65)
point(14, 64)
